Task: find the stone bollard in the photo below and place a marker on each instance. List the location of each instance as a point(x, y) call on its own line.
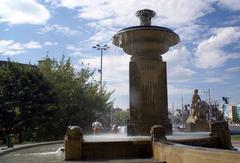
point(73, 143)
point(221, 130)
point(157, 133)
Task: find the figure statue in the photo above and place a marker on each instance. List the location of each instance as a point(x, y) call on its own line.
point(96, 127)
point(197, 121)
point(195, 102)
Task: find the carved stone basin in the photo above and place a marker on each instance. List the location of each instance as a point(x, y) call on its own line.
point(142, 40)
point(145, 39)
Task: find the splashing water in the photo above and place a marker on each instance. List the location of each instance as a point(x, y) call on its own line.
point(177, 47)
point(113, 137)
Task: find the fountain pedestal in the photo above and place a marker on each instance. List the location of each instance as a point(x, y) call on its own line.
point(148, 94)
point(148, 77)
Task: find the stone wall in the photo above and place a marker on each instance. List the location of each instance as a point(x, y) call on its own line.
point(176, 153)
point(116, 150)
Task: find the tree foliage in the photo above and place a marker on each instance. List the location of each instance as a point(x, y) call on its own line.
point(26, 100)
point(40, 102)
point(120, 117)
point(80, 101)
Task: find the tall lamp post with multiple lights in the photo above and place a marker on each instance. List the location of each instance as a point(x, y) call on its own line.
point(208, 98)
point(101, 48)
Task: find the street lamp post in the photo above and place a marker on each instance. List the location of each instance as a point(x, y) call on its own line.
point(208, 93)
point(101, 48)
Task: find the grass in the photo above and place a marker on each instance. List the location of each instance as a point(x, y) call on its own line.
point(236, 137)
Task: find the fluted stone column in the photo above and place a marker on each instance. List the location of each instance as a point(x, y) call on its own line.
point(148, 94)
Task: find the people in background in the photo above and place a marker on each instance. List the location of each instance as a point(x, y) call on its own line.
point(114, 129)
point(97, 127)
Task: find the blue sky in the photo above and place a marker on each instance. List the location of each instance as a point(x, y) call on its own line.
point(207, 57)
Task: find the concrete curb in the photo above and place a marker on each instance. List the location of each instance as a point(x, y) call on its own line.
point(24, 146)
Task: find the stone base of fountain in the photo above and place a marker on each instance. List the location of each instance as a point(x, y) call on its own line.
point(105, 147)
point(178, 153)
point(198, 125)
point(116, 149)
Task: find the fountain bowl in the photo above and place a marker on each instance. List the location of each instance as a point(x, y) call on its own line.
point(142, 40)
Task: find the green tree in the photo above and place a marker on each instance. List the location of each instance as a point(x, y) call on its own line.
point(120, 116)
point(80, 101)
point(40, 102)
point(26, 101)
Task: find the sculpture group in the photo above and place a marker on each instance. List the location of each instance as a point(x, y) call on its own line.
point(199, 108)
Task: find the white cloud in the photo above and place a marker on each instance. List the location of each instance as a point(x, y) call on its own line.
point(191, 32)
point(102, 36)
point(49, 43)
point(230, 4)
point(115, 71)
point(210, 53)
point(178, 55)
point(180, 73)
point(71, 4)
point(32, 45)
point(173, 90)
point(75, 50)
point(233, 69)
point(115, 75)
point(23, 11)
point(10, 47)
point(170, 12)
point(232, 20)
point(177, 68)
point(107, 17)
point(58, 28)
point(213, 80)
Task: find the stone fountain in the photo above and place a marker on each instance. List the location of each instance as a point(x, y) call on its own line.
point(148, 109)
point(147, 72)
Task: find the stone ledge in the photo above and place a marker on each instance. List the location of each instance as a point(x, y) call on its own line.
point(24, 146)
point(172, 153)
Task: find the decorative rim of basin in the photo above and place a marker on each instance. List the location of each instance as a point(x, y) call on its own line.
point(147, 28)
point(156, 39)
point(116, 37)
